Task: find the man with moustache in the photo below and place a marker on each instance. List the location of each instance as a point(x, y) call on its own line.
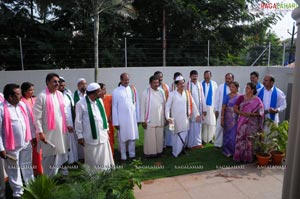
point(51, 125)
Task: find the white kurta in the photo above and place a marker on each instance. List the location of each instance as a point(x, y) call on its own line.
point(104, 159)
point(73, 151)
point(153, 113)
point(176, 106)
point(125, 113)
point(22, 151)
point(194, 135)
point(218, 107)
point(280, 105)
point(56, 136)
point(210, 117)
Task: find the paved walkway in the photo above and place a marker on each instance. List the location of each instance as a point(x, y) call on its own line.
point(248, 181)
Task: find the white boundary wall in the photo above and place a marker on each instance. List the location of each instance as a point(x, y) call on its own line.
point(139, 76)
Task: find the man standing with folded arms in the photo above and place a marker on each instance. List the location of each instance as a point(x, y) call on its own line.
point(51, 125)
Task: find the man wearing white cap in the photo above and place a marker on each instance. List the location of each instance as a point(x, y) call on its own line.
point(78, 95)
point(92, 129)
point(81, 90)
point(126, 115)
point(51, 125)
point(180, 107)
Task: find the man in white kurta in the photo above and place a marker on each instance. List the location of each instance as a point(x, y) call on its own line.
point(20, 149)
point(54, 142)
point(96, 147)
point(273, 98)
point(209, 121)
point(165, 88)
point(153, 118)
point(180, 107)
point(222, 91)
point(78, 95)
point(125, 115)
point(195, 88)
point(70, 108)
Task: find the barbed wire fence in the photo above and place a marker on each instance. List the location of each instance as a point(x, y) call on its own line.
point(24, 54)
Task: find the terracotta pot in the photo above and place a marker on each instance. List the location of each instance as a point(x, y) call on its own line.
point(277, 157)
point(263, 159)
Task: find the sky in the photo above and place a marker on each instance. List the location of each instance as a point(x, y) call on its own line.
point(286, 23)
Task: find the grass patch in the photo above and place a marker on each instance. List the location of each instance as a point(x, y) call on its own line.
point(196, 160)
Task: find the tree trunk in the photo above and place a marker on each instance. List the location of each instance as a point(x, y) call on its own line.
point(96, 33)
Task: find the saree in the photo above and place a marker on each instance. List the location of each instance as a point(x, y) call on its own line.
point(230, 125)
point(247, 127)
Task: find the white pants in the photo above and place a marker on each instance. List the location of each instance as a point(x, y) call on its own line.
point(15, 168)
point(208, 131)
point(194, 135)
point(2, 178)
point(167, 136)
point(73, 151)
point(178, 142)
point(51, 164)
point(219, 134)
point(131, 149)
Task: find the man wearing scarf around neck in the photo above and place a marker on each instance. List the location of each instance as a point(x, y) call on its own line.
point(209, 121)
point(91, 126)
point(181, 107)
point(221, 92)
point(153, 118)
point(196, 90)
point(16, 132)
point(51, 125)
point(274, 100)
point(125, 116)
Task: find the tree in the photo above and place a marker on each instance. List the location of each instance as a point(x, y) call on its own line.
point(100, 7)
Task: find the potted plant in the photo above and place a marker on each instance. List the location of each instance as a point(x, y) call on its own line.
point(262, 148)
point(279, 135)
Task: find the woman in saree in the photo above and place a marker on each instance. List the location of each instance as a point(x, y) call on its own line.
point(229, 120)
point(28, 98)
point(251, 111)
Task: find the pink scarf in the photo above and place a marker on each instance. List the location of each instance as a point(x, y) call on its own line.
point(9, 134)
point(51, 112)
point(29, 106)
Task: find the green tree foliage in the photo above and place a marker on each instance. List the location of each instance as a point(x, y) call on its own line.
point(59, 34)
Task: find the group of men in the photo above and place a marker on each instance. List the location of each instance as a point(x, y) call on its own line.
point(71, 127)
point(188, 114)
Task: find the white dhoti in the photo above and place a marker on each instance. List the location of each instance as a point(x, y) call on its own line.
point(219, 134)
point(153, 141)
point(15, 168)
point(194, 135)
point(178, 142)
point(51, 164)
point(209, 125)
point(73, 152)
point(98, 156)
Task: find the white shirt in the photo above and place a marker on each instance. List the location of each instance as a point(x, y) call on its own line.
point(154, 108)
point(176, 106)
point(125, 113)
point(214, 88)
point(82, 122)
point(219, 97)
point(280, 104)
point(18, 125)
point(198, 97)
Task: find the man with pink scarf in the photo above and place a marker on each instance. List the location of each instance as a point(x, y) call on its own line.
point(16, 132)
point(51, 126)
